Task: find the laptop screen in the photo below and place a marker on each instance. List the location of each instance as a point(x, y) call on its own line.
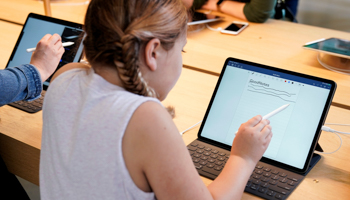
point(36, 27)
point(247, 89)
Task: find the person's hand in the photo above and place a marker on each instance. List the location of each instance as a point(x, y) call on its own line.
point(47, 55)
point(252, 139)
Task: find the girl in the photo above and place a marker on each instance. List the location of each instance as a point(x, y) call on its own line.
point(107, 136)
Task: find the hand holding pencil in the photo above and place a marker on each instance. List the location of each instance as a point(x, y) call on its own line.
point(64, 44)
point(47, 55)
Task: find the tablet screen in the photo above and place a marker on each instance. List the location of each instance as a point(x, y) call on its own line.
point(246, 90)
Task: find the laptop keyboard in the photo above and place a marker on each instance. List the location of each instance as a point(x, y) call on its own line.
point(30, 106)
point(266, 181)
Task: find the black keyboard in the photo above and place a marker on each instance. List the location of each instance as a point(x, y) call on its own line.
point(266, 181)
point(30, 106)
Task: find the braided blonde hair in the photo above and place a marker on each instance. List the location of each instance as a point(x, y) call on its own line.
point(117, 30)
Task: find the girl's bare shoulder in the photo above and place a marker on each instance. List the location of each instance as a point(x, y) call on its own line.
point(69, 66)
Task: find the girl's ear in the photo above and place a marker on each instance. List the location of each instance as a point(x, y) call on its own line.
point(152, 52)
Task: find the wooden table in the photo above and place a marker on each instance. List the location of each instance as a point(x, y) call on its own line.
point(17, 10)
point(275, 43)
point(20, 137)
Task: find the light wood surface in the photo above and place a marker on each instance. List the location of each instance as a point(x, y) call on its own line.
point(275, 43)
point(20, 137)
point(47, 7)
point(8, 38)
point(18, 10)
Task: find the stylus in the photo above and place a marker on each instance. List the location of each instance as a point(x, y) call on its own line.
point(64, 44)
point(273, 112)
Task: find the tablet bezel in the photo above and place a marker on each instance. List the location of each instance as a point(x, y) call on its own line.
point(267, 160)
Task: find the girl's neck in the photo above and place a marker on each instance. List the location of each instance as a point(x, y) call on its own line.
point(109, 73)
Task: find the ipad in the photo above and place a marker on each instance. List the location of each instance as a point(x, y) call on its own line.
point(36, 27)
point(202, 18)
point(333, 46)
point(246, 89)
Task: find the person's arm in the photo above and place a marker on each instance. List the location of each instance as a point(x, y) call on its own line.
point(158, 160)
point(18, 83)
point(25, 82)
point(233, 8)
point(254, 11)
point(259, 10)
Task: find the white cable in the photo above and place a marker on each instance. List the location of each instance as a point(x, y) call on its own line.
point(181, 133)
point(337, 124)
point(213, 29)
point(327, 129)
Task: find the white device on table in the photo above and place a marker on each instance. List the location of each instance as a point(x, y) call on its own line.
point(203, 18)
point(235, 27)
point(333, 46)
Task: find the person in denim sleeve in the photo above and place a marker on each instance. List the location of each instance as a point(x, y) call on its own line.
point(25, 83)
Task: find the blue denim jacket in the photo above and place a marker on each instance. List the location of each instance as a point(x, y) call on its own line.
point(18, 83)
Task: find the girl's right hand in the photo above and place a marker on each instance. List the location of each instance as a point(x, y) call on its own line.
point(252, 139)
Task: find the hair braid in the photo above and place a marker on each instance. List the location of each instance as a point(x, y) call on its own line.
point(128, 67)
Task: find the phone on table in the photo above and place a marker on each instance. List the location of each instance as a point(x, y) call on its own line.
point(235, 27)
point(202, 18)
point(333, 46)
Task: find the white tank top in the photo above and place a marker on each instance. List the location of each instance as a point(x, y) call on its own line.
point(84, 120)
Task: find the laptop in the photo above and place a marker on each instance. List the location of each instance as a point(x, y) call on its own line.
point(246, 89)
point(36, 27)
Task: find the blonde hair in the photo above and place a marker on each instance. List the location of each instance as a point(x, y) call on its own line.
point(117, 30)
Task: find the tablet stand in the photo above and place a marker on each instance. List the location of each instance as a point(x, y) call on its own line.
point(334, 63)
point(314, 160)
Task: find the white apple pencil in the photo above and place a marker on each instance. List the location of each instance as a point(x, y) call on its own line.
point(273, 112)
point(64, 44)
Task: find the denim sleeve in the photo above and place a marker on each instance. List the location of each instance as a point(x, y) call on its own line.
point(19, 83)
